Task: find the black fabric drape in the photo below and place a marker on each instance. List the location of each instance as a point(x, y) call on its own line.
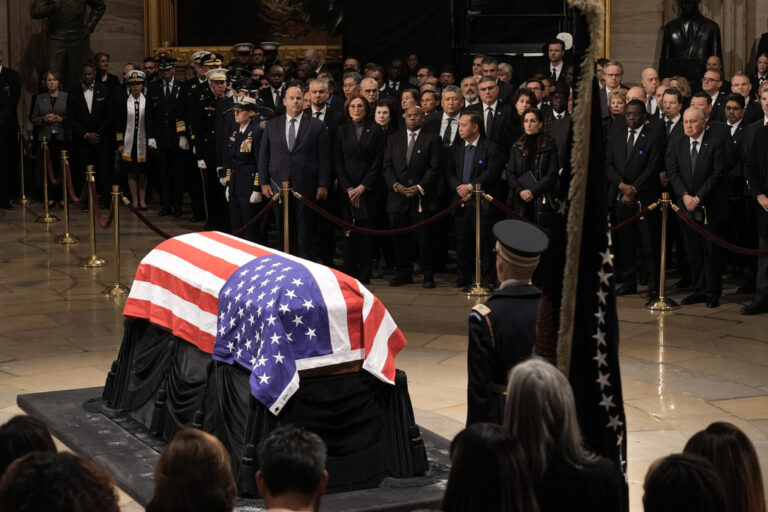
point(167, 384)
point(379, 31)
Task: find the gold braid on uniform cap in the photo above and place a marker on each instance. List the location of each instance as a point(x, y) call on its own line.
point(515, 259)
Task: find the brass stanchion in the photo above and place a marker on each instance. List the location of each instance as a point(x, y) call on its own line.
point(285, 191)
point(24, 199)
point(91, 261)
point(117, 289)
point(663, 303)
point(478, 290)
point(67, 237)
point(47, 218)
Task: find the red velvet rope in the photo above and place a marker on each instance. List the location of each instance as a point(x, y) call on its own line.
point(716, 240)
point(49, 165)
point(257, 217)
point(73, 196)
point(143, 219)
point(376, 232)
point(512, 213)
point(633, 219)
point(97, 211)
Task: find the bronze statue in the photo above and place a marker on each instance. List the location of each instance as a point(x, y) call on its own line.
point(67, 32)
point(688, 41)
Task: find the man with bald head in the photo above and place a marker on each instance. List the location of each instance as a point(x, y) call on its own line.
point(695, 165)
point(412, 166)
point(650, 80)
point(652, 121)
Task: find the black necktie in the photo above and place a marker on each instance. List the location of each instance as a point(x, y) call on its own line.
point(318, 114)
point(409, 150)
point(488, 122)
point(694, 156)
point(447, 132)
point(167, 90)
point(669, 126)
point(630, 143)
point(649, 106)
point(554, 75)
point(469, 158)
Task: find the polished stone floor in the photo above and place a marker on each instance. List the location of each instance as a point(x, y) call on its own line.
point(680, 371)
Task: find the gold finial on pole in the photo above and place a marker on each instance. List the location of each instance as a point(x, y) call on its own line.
point(285, 192)
point(663, 303)
point(47, 218)
point(24, 199)
point(478, 290)
point(117, 289)
point(91, 261)
point(67, 237)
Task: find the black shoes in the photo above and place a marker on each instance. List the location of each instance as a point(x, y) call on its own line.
point(164, 212)
point(627, 289)
point(695, 298)
point(746, 288)
point(754, 308)
point(428, 283)
point(400, 281)
point(713, 302)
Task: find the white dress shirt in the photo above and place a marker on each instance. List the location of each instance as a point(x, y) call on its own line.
point(88, 93)
point(558, 69)
point(454, 126)
point(733, 127)
point(322, 111)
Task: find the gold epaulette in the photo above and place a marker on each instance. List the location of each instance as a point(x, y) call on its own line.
point(229, 175)
point(119, 137)
point(180, 126)
point(256, 180)
point(482, 309)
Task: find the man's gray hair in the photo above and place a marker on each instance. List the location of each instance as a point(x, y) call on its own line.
point(452, 88)
point(354, 75)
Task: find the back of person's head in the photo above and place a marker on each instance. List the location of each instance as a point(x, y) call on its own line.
point(22, 435)
point(733, 455)
point(56, 482)
point(487, 472)
point(292, 461)
point(541, 414)
point(683, 482)
point(193, 473)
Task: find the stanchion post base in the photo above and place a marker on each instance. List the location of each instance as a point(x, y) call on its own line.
point(50, 219)
point(478, 290)
point(67, 238)
point(662, 304)
point(116, 290)
point(24, 200)
point(93, 261)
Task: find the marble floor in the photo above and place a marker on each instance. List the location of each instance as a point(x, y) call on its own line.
point(680, 371)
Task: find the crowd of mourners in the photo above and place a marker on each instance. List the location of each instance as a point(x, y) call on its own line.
point(534, 462)
point(388, 146)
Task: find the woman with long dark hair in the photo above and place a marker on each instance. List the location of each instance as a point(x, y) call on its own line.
point(487, 473)
point(532, 170)
point(359, 149)
point(734, 457)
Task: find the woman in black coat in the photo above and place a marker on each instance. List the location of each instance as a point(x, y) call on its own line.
point(532, 170)
point(358, 154)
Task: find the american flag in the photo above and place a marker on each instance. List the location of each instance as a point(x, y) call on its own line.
point(269, 312)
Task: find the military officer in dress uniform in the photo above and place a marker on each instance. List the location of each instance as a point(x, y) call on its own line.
point(243, 53)
point(203, 134)
point(243, 191)
point(502, 331)
point(189, 90)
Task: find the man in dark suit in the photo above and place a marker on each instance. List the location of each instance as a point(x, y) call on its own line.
point(10, 92)
point(326, 232)
point(650, 81)
point(560, 124)
point(445, 123)
point(412, 163)
point(490, 67)
point(272, 96)
point(710, 84)
point(613, 72)
point(696, 163)
point(90, 112)
point(396, 78)
point(503, 330)
point(473, 160)
point(701, 100)
point(634, 160)
point(741, 85)
point(497, 115)
point(163, 98)
point(555, 64)
point(295, 148)
point(756, 173)
point(673, 118)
